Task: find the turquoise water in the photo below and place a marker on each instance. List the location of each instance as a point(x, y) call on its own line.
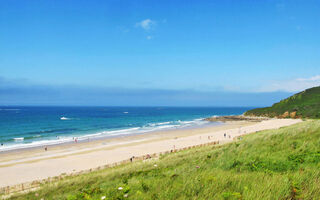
point(33, 126)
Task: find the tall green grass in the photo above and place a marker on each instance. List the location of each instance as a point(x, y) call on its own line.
point(275, 164)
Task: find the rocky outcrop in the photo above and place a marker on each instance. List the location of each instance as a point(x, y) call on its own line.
point(293, 114)
point(236, 118)
point(284, 115)
point(288, 114)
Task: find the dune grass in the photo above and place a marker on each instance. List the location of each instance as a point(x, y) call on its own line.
point(275, 164)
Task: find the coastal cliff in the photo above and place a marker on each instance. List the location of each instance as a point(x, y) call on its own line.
point(305, 104)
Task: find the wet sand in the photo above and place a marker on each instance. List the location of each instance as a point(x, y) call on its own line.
point(36, 164)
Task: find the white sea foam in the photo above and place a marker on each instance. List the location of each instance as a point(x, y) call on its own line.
point(186, 122)
point(9, 109)
point(152, 127)
point(19, 139)
point(65, 118)
point(162, 123)
point(37, 136)
point(33, 144)
point(158, 124)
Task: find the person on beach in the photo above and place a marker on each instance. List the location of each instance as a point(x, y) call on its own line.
point(46, 148)
point(225, 135)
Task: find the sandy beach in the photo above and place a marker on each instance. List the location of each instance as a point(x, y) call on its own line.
point(36, 164)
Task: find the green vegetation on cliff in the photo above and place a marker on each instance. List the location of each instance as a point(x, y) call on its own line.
point(305, 104)
point(273, 164)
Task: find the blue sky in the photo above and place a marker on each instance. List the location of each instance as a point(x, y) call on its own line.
point(269, 49)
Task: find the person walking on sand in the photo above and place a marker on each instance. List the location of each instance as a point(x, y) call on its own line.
point(225, 135)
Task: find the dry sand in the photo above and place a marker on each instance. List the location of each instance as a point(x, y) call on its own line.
point(36, 164)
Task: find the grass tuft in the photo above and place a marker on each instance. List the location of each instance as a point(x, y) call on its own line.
point(273, 164)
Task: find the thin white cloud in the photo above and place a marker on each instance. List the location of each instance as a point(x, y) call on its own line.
point(149, 37)
point(146, 24)
point(294, 85)
point(313, 78)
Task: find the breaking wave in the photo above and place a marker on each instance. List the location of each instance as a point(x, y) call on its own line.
point(150, 127)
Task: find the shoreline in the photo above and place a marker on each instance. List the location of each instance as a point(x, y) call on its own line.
point(108, 138)
point(37, 164)
point(100, 135)
point(103, 142)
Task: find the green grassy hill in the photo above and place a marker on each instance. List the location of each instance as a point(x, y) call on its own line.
point(274, 164)
point(305, 104)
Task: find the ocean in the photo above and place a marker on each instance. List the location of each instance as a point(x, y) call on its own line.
point(23, 127)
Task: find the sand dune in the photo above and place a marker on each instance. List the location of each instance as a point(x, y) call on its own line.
point(36, 164)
